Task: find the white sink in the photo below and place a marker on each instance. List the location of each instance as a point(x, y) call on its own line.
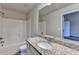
point(44, 45)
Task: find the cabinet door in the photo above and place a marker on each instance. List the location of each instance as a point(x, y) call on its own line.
point(28, 49)
point(34, 52)
point(31, 50)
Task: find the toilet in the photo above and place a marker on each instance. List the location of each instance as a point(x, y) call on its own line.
point(23, 49)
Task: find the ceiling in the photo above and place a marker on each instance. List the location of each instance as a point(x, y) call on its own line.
point(53, 7)
point(26, 7)
point(19, 7)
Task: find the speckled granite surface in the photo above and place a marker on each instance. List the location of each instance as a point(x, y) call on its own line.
point(69, 43)
point(57, 49)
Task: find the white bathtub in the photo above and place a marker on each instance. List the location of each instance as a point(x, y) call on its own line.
point(11, 49)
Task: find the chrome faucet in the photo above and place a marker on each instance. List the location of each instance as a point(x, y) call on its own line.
point(1, 41)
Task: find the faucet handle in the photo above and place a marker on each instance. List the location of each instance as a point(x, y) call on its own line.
point(1, 38)
point(2, 41)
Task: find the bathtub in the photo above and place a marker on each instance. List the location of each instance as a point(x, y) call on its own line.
point(11, 49)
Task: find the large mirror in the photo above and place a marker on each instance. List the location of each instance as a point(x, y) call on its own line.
point(50, 19)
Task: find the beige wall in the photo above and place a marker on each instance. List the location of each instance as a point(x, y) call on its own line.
point(54, 20)
point(14, 14)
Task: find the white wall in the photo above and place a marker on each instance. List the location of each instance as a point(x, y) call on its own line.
point(42, 27)
point(14, 34)
point(33, 16)
point(12, 30)
point(28, 28)
point(14, 26)
point(54, 20)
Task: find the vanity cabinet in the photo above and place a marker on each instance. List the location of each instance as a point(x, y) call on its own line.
point(31, 50)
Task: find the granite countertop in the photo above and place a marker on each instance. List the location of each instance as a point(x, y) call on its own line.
point(57, 49)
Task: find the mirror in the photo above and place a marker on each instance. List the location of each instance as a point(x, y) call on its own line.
point(49, 22)
point(42, 23)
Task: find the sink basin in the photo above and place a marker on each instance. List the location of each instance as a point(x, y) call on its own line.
point(45, 45)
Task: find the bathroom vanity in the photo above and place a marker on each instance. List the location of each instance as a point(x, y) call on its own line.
point(31, 50)
point(56, 49)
